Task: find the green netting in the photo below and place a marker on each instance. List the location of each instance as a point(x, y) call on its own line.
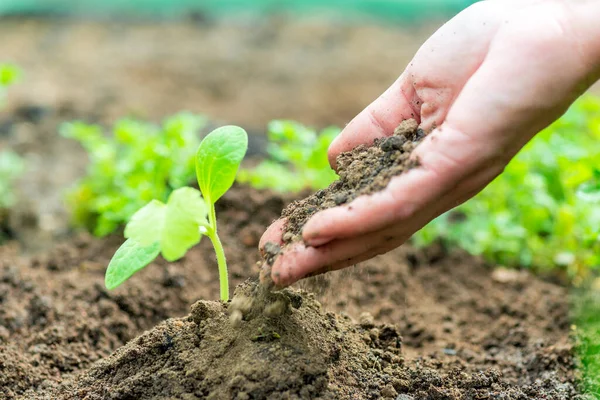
point(387, 9)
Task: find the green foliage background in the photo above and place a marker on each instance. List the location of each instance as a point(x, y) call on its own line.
point(297, 159)
point(544, 210)
point(138, 163)
point(11, 164)
point(406, 10)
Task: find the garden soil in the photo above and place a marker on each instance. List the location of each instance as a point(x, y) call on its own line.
point(411, 324)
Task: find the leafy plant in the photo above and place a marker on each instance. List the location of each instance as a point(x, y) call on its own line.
point(297, 159)
point(171, 229)
point(139, 163)
point(544, 210)
point(9, 74)
point(11, 168)
point(584, 311)
point(11, 165)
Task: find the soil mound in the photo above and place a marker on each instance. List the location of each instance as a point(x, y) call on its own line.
point(298, 351)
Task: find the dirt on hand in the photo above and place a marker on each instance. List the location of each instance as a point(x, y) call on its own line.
point(362, 171)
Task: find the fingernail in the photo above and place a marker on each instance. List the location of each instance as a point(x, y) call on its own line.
point(318, 241)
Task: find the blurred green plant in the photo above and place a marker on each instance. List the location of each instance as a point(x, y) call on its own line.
point(585, 329)
point(544, 210)
point(11, 164)
point(11, 168)
point(297, 159)
point(9, 75)
point(140, 162)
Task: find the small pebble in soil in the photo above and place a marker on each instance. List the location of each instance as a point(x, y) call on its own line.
point(392, 143)
point(366, 320)
point(388, 392)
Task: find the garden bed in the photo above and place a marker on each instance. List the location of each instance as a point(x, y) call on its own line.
point(464, 329)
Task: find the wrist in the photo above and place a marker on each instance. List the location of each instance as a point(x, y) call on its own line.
point(586, 26)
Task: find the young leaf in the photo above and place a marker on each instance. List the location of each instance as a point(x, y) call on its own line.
point(129, 258)
point(174, 226)
point(218, 159)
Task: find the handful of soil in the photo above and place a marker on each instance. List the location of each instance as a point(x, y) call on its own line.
point(362, 171)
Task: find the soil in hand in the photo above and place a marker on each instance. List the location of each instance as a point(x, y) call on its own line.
point(362, 171)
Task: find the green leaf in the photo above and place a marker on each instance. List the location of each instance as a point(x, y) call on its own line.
point(146, 226)
point(218, 159)
point(175, 225)
point(129, 258)
point(589, 191)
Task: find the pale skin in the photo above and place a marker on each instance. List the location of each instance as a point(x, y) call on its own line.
point(482, 86)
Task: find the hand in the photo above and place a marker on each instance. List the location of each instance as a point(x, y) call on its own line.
point(483, 85)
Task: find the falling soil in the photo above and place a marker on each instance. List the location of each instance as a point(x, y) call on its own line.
point(465, 330)
point(362, 171)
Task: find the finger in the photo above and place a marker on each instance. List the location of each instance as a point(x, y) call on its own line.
point(274, 234)
point(298, 260)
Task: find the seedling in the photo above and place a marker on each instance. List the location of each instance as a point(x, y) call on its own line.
point(171, 229)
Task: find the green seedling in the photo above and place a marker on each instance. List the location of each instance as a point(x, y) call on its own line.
point(171, 229)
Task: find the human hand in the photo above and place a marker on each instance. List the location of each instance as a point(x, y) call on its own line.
point(484, 84)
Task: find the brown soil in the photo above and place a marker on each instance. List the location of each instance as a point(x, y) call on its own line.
point(467, 331)
point(362, 171)
point(300, 352)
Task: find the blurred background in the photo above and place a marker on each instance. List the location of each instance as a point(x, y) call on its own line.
point(242, 61)
point(235, 61)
